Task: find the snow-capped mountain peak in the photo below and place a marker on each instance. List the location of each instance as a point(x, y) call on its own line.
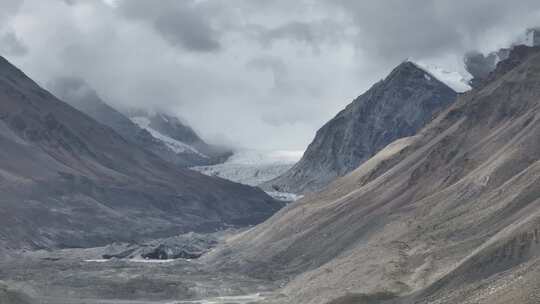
point(173, 144)
point(455, 80)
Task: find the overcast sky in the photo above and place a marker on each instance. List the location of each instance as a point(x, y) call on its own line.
point(257, 73)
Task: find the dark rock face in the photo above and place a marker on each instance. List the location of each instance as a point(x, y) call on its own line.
point(68, 181)
point(188, 246)
point(480, 66)
point(396, 107)
point(185, 246)
point(78, 94)
point(163, 252)
point(533, 36)
point(120, 255)
point(483, 68)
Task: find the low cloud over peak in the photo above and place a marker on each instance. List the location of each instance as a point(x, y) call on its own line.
point(185, 24)
point(264, 74)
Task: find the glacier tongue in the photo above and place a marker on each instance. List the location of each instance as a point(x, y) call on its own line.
point(252, 167)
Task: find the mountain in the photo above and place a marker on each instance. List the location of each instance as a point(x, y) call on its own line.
point(395, 107)
point(480, 65)
point(180, 138)
point(67, 180)
point(455, 80)
point(78, 94)
point(450, 215)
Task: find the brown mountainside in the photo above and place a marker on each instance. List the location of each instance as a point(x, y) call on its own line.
point(451, 215)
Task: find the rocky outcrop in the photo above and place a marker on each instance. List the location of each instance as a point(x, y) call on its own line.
point(533, 37)
point(185, 246)
point(449, 215)
point(68, 181)
point(395, 107)
point(480, 65)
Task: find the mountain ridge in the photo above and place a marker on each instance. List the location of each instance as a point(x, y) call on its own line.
point(395, 107)
point(81, 96)
point(69, 181)
point(447, 216)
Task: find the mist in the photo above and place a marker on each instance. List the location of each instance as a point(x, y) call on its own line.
point(256, 74)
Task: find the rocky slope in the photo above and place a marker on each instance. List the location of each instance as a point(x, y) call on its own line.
point(12, 296)
point(182, 148)
point(180, 138)
point(450, 215)
point(395, 107)
point(480, 65)
point(67, 180)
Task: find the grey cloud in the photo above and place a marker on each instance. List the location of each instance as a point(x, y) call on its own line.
point(70, 2)
point(395, 29)
point(313, 33)
point(281, 82)
point(280, 67)
point(300, 31)
point(479, 65)
point(182, 23)
point(70, 88)
point(278, 110)
point(8, 9)
point(11, 45)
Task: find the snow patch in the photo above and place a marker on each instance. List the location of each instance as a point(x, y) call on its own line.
point(173, 144)
point(243, 299)
point(255, 157)
point(455, 80)
point(284, 196)
point(129, 260)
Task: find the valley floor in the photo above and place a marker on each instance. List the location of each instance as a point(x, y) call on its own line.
point(246, 299)
point(77, 276)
